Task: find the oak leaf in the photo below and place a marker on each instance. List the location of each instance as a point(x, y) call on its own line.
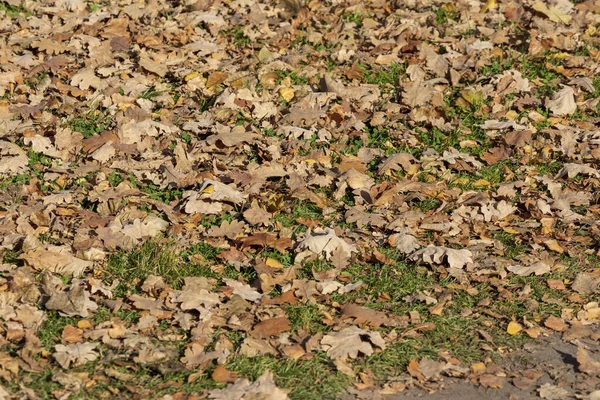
point(350, 342)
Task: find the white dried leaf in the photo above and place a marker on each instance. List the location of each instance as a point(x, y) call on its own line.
point(563, 102)
point(538, 268)
point(438, 254)
point(351, 341)
point(325, 241)
point(76, 354)
point(263, 388)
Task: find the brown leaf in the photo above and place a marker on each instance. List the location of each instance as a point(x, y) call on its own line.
point(491, 381)
point(70, 334)
point(555, 323)
point(223, 375)
point(413, 370)
point(271, 327)
point(587, 364)
point(366, 316)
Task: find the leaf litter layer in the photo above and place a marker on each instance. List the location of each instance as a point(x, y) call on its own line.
point(236, 200)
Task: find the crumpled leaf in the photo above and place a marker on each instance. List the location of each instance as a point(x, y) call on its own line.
point(438, 254)
point(549, 391)
point(563, 102)
point(262, 389)
point(242, 290)
point(57, 259)
point(13, 160)
point(325, 241)
point(73, 302)
point(538, 268)
point(553, 13)
point(76, 354)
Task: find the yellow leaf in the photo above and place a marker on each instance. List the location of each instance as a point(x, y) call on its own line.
point(514, 328)
point(553, 13)
point(481, 183)
point(461, 181)
point(553, 245)
point(478, 368)
point(273, 263)
point(489, 5)
point(209, 189)
point(511, 231)
point(287, 93)
point(191, 76)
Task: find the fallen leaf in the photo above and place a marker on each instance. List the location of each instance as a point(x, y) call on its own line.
point(350, 342)
point(563, 102)
point(242, 389)
point(438, 254)
point(555, 323)
point(271, 327)
point(223, 375)
point(76, 354)
point(514, 328)
point(587, 364)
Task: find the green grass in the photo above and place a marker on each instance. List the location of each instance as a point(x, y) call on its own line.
point(13, 11)
point(387, 78)
point(92, 123)
point(316, 378)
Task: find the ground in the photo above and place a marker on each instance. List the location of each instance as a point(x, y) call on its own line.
point(337, 199)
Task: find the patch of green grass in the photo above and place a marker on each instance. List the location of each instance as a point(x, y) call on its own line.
point(150, 93)
point(104, 314)
point(131, 268)
point(21, 179)
point(437, 139)
point(300, 209)
point(237, 36)
point(532, 69)
point(356, 18)
point(295, 78)
point(306, 317)
point(428, 204)
point(160, 258)
point(38, 160)
point(316, 378)
point(548, 168)
point(92, 123)
point(34, 81)
point(444, 14)
point(165, 195)
point(13, 11)
point(386, 78)
point(513, 246)
point(51, 329)
point(210, 253)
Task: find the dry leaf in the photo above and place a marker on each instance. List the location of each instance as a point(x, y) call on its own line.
point(76, 354)
point(242, 389)
point(563, 102)
point(438, 254)
point(350, 342)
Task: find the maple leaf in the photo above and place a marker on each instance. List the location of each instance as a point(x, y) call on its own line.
point(350, 342)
